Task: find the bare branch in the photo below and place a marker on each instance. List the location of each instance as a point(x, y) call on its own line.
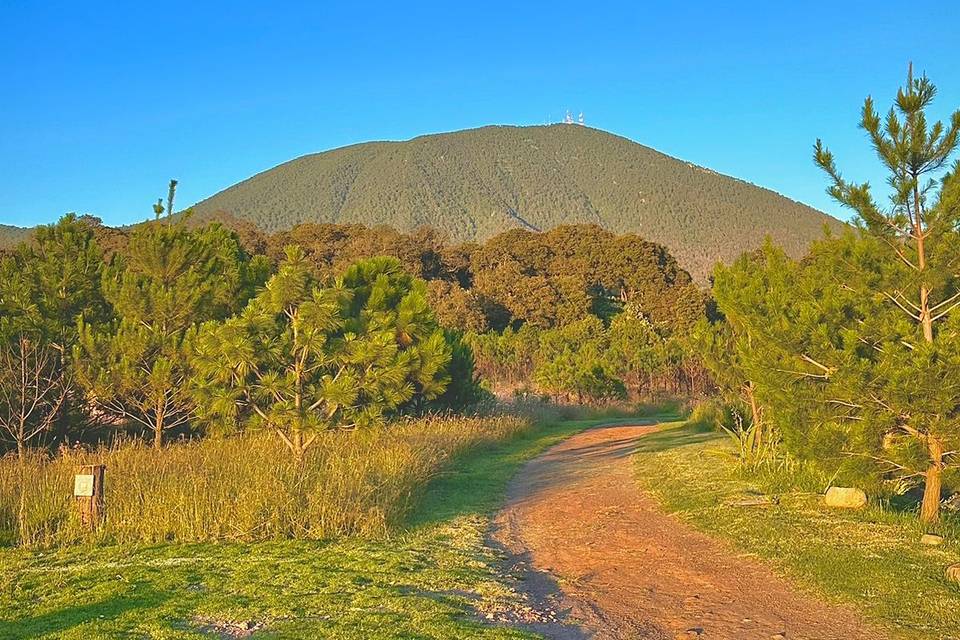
point(897, 302)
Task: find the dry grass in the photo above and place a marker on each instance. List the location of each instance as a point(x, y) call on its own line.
point(243, 488)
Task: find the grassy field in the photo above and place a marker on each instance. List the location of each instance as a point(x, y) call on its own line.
point(435, 579)
point(872, 559)
point(247, 488)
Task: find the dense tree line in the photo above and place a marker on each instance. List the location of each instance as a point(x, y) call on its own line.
point(850, 358)
point(521, 292)
point(518, 277)
point(183, 329)
point(173, 326)
point(590, 361)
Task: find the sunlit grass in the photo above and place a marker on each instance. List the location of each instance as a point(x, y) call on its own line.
point(429, 577)
point(872, 559)
point(243, 488)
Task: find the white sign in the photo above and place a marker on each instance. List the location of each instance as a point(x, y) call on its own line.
point(83, 486)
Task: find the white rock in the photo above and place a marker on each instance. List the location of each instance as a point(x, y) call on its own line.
point(845, 498)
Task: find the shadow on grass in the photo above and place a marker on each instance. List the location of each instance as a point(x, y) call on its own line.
point(679, 436)
point(55, 622)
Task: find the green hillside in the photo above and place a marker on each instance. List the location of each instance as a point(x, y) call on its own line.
point(473, 184)
point(10, 235)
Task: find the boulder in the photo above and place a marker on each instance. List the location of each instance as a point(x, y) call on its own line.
point(845, 498)
point(952, 503)
point(931, 540)
point(953, 573)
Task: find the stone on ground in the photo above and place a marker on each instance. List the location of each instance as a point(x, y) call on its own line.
point(930, 539)
point(953, 573)
point(845, 498)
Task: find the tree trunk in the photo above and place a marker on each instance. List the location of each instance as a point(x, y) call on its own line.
point(926, 318)
point(296, 440)
point(756, 420)
point(22, 506)
point(930, 508)
point(158, 431)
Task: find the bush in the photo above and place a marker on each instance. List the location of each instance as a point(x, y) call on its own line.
point(714, 414)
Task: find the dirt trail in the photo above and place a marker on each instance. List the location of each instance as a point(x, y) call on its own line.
point(576, 520)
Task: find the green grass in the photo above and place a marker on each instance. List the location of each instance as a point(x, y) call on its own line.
point(428, 581)
point(872, 559)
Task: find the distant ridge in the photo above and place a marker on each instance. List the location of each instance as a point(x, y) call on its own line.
point(11, 235)
point(475, 183)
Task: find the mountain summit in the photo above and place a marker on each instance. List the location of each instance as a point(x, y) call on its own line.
point(475, 183)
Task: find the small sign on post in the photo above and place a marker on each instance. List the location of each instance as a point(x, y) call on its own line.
point(88, 495)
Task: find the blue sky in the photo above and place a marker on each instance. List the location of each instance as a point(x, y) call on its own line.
point(103, 103)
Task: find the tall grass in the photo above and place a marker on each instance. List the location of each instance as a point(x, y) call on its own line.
point(242, 488)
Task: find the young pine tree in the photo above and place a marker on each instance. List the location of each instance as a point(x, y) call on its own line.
point(915, 276)
point(745, 352)
point(302, 359)
point(168, 281)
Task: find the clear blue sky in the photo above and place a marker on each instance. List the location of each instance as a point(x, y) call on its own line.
point(103, 104)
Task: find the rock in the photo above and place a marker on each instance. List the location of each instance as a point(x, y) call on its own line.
point(845, 498)
point(930, 539)
point(952, 503)
point(953, 573)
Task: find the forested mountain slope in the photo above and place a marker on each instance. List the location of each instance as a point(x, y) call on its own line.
point(473, 184)
point(10, 235)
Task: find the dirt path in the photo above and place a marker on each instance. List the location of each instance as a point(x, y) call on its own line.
point(576, 520)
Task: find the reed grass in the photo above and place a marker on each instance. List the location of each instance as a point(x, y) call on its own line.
point(242, 488)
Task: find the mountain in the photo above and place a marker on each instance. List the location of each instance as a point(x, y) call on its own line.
point(10, 235)
point(473, 184)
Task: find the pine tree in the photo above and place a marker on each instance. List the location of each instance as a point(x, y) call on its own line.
point(572, 362)
point(768, 348)
point(302, 359)
point(47, 284)
point(168, 281)
point(45, 287)
point(732, 349)
point(636, 351)
point(918, 237)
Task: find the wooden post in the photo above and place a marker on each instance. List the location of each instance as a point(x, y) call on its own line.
point(88, 494)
